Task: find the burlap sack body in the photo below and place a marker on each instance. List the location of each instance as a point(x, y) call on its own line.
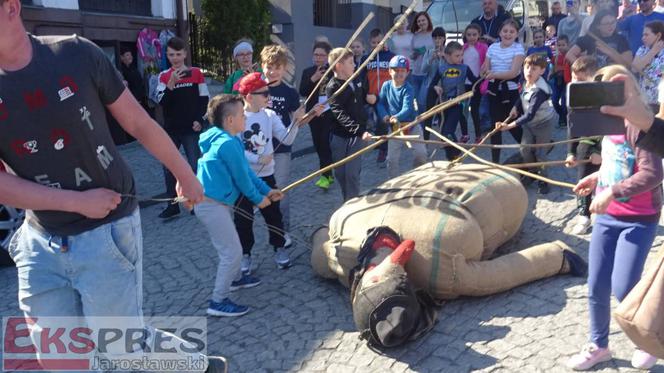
point(453, 216)
point(641, 313)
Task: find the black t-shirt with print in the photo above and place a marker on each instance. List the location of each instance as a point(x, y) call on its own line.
point(589, 45)
point(283, 100)
point(53, 127)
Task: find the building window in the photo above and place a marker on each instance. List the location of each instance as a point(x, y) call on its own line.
point(133, 7)
point(332, 13)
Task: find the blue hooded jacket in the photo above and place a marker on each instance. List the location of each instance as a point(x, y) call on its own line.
point(224, 171)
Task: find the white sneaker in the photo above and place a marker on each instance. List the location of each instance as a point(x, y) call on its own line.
point(589, 356)
point(581, 226)
point(245, 264)
point(282, 258)
point(643, 360)
point(289, 242)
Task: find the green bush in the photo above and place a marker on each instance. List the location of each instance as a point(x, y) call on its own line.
point(226, 21)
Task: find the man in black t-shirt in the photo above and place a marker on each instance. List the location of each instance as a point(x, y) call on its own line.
point(79, 251)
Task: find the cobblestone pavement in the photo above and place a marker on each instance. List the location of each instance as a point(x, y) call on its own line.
point(300, 322)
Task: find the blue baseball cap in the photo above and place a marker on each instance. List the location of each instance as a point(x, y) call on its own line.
point(399, 62)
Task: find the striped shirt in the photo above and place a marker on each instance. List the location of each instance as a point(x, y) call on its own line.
point(501, 58)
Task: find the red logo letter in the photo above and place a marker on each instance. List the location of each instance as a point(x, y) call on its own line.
point(67, 81)
point(12, 334)
point(48, 340)
point(78, 335)
point(35, 100)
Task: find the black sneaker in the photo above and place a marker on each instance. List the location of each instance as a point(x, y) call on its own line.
point(216, 364)
point(542, 188)
point(171, 211)
point(577, 266)
point(525, 180)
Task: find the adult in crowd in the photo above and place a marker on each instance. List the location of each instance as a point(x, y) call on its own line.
point(132, 77)
point(611, 48)
point(649, 62)
point(632, 26)
point(320, 126)
point(490, 21)
point(422, 42)
point(626, 9)
point(595, 7)
point(401, 41)
point(660, 6)
point(556, 15)
point(570, 26)
point(640, 116)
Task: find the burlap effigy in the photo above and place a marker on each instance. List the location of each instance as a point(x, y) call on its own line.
point(457, 218)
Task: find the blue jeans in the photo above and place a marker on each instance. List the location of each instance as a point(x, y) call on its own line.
point(99, 274)
point(416, 81)
point(617, 254)
point(559, 100)
point(485, 115)
point(189, 142)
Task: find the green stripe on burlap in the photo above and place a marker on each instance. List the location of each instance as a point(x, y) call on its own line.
point(440, 227)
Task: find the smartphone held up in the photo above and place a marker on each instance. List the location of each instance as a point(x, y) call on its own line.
point(584, 100)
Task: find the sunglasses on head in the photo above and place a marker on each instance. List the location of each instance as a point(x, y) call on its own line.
point(261, 93)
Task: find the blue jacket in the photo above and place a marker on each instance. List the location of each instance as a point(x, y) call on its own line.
point(398, 102)
point(224, 171)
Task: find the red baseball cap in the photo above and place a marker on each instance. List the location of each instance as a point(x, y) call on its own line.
point(250, 83)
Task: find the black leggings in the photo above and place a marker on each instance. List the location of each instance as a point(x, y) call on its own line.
point(475, 110)
point(245, 225)
point(320, 134)
point(499, 112)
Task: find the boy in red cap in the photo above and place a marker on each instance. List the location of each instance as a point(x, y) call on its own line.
point(261, 126)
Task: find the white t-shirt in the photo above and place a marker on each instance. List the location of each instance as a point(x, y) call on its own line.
point(585, 25)
point(471, 58)
point(402, 44)
point(659, 9)
point(501, 58)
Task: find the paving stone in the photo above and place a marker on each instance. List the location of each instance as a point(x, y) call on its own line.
point(301, 323)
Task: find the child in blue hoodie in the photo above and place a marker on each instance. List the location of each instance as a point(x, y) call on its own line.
point(396, 106)
point(225, 174)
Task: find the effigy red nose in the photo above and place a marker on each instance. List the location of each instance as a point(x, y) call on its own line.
point(403, 252)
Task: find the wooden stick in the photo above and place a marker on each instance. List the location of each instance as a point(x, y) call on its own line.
point(426, 115)
point(331, 67)
point(489, 146)
point(472, 149)
point(501, 167)
point(542, 164)
point(368, 59)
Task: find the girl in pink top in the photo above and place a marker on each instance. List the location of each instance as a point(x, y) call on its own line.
point(474, 54)
point(627, 204)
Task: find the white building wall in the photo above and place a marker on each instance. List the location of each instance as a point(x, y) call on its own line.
point(160, 8)
point(61, 4)
point(164, 9)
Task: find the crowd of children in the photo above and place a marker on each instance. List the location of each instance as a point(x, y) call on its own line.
point(246, 153)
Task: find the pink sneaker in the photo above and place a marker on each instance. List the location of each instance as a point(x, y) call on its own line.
point(464, 139)
point(643, 360)
point(589, 357)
